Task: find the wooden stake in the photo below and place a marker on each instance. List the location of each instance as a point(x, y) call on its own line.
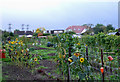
point(102, 64)
point(69, 78)
point(87, 59)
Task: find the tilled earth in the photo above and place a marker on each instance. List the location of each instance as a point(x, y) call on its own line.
point(13, 72)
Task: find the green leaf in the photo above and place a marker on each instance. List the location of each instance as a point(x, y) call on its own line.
point(81, 75)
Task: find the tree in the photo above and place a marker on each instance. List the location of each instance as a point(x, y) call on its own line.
point(99, 28)
point(40, 30)
point(11, 34)
point(88, 25)
point(109, 27)
point(16, 30)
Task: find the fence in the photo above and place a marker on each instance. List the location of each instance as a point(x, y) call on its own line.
point(109, 70)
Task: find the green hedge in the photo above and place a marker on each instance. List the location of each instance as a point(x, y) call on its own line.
point(102, 40)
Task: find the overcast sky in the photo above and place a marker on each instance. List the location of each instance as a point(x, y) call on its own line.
point(57, 14)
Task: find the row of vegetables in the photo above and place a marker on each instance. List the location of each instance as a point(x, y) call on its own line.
point(71, 53)
point(19, 53)
point(73, 50)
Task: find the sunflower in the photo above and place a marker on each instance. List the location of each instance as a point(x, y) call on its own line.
point(70, 60)
point(63, 56)
point(78, 43)
point(60, 56)
point(12, 42)
point(22, 51)
point(81, 60)
point(35, 59)
point(77, 54)
point(9, 42)
point(16, 39)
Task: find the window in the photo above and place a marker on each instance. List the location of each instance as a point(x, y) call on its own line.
point(74, 29)
point(70, 29)
point(79, 29)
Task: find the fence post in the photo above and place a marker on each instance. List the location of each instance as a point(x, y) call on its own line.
point(69, 78)
point(87, 59)
point(110, 68)
point(9, 53)
point(119, 62)
point(102, 64)
point(39, 41)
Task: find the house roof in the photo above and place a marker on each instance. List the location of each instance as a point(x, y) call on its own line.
point(119, 30)
point(19, 32)
point(23, 32)
point(29, 33)
point(113, 33)
point(40, 34)
point(77, 29)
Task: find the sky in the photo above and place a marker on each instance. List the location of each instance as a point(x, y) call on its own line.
point(57, 14)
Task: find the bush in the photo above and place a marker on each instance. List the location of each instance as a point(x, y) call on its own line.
point(46, 34)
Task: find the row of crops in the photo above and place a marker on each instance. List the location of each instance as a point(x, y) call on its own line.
point(88, 58)
point(18, 51)
point(83, 58)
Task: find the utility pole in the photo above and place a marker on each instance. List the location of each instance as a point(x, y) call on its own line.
point(9, 28)
point(22, 27)
point(27, 27)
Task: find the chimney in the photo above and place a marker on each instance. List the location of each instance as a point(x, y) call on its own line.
point(33, 31)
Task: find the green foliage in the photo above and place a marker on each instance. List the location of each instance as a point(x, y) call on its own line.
point(109, 27)
point(101, 40)
point(46, 34)
point(66, 47)
point(98, 28)
point(35, 34)
point(11, 34)
point(70, 32)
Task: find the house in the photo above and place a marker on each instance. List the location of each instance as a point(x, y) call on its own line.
point(112, 33)
point(23, 33)
point(77, 29)
point(55, 31)
point(29, 34)
point(20, 33)
point(115, 33)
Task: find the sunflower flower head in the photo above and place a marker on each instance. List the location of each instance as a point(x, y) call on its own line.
point(16, 39)
point(81, 60)
point(78, 43)
point(9, 42)
point(22, 51)
point(35, 59)
point(70, 60)
point(19, 43)
point(12, 42)
point(77, 54)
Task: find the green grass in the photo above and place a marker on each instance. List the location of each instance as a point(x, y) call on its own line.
point(45, 46)
point(43, 52)
point(41, 67)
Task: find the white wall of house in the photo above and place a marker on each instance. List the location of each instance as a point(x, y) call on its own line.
point(21, 35)
point(84, 30)
point(68, 30)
